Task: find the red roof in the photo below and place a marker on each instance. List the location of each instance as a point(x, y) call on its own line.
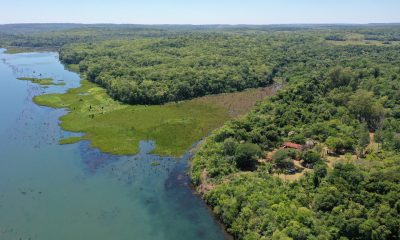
point(292, 145)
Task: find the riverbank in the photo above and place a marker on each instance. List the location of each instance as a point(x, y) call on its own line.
point(16, 50)
point(51, 191)
point(117, 128)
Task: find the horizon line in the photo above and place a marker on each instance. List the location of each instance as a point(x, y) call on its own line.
point(199, 24)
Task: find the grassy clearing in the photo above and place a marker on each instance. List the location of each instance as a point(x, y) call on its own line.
point(117, 128)
point(238, 103)
point(360, 40)
point(42, 81)
point(363, 42)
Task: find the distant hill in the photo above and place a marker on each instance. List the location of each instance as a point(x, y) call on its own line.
point(37, 27)
point(27, 28)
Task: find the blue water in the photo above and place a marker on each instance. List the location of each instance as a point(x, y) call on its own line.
point(74, 192)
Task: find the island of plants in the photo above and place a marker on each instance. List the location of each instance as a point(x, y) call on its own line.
point(42, 81)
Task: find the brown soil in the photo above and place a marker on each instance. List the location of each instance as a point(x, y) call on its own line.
point(205, 185)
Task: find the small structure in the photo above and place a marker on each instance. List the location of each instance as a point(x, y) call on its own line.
point(292, 146)
point(309, 145)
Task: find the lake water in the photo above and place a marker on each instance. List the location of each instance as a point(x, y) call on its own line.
point(74, 192)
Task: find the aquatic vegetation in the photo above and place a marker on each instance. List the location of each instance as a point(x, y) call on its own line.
point(117, 128)
point(69, 140)
point(342, 87)
point(78, 190)
point(42, 81)
point(155, 164)
point(16, 50)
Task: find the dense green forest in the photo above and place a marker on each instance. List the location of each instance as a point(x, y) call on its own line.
point(154, 71)
point(341, 99)
point(140, 64)
point(336, 94)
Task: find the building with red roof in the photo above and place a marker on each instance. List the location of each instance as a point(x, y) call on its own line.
point(292, 145)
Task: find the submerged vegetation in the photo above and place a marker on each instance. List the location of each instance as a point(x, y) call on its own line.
point(42, 81)
point(70, 140)
point(16, 50)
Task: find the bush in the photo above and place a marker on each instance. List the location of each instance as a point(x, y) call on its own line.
point(311, 157)
point(230, 146)
point(283, 158)
point(223, 134)
point(320, 171)
point(280, 154)
point(340, 77)
point(396, 143)
point(298, 138)
point(327, 198)
point(246, 156)
point(340, 144)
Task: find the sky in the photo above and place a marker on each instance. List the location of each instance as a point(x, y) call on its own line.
point(200, 11)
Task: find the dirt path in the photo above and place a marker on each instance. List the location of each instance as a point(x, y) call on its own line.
point(205, 186)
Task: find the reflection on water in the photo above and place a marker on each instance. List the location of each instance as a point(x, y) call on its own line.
point(48, 191)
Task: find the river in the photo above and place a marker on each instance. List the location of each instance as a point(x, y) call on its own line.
point(74, 192)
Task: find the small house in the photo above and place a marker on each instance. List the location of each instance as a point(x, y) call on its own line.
point(292, 146)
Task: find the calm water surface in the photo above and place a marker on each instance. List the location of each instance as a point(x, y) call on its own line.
point(74, 192)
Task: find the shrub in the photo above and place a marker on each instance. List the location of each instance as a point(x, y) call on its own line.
point(283, 158)
point(230, 146)
point(246, 156)
point(396, 143)
point(340, 144)
point(311, 157)
point(298, 138)
point(327, 198)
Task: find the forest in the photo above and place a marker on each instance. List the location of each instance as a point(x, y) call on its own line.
point(156, 71)
point(340, 100)
point(336, 96)
point(158, 64)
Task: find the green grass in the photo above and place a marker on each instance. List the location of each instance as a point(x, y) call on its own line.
point(117, 128)
point(42, 81)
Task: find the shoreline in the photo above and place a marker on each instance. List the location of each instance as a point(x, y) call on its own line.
point(184, 170)
point(191, 151)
